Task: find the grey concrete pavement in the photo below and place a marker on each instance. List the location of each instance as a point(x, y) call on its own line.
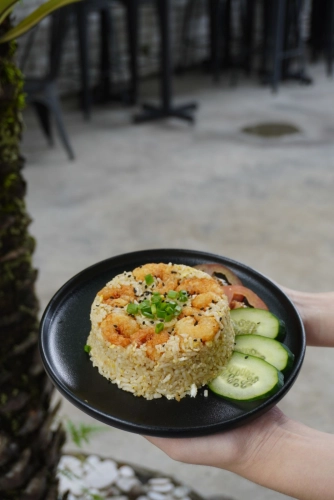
point(265, 202)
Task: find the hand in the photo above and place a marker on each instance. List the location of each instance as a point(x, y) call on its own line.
point(317, 313)
point(232, 450)
point(273, 451)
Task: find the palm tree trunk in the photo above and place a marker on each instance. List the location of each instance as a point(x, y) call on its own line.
point(30, 441)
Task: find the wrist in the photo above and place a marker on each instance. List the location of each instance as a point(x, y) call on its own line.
point(294, 460)
point(316, 310)
point(256, 443)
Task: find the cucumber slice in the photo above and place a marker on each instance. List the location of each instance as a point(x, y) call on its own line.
point(248, 320)
point(247, 378)
point(269, 350)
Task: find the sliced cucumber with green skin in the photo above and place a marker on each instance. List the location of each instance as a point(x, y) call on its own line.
point(247, 378)
point(247, 320)
point(269, 350)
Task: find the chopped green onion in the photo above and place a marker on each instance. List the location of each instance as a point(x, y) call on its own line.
point(87, 348)
point(149, 279)
point(158, 307)
point(147, 314)
point(159, 327)
point(161, 314)
point(132, 308)
point(144, 305)
point(156, 298)
point(183, 297)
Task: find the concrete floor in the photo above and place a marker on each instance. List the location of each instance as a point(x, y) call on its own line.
point(265, 202)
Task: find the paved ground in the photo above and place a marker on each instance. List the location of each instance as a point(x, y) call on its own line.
point(265, 202)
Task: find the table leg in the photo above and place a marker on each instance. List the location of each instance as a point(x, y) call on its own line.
point(166, 108)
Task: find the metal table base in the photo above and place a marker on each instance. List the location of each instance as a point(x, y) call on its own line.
point(166, 109)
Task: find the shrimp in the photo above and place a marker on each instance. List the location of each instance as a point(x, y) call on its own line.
point(167, 274)
point(151, 339)
point(201, 286)
point(191, 311)
point(117, 296)
point(118, 328)
point(205, 328)
point(203, 300)
point(156, 339)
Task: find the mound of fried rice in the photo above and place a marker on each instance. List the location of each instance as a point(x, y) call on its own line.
point(182, 364)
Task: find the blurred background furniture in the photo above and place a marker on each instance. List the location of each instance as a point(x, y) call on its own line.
point(42, 91)
point(286, 42)
point(262, 36)
point(276, 43)
point(104, 92)
point(322, 32)
point(81, 11)
point(165, 108)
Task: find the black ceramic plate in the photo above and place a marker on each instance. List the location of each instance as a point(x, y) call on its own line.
point(65, 327)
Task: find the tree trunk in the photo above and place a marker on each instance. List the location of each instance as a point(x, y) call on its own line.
point(30, 441)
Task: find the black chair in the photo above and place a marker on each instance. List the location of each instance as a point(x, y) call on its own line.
point(322, 32)
point(82, 11)
point(284, 43)
point(42, 92)
point(281, 42)
point(329, 42)
point(221, 35)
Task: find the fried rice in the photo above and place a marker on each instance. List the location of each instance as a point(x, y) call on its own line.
point(188, 348)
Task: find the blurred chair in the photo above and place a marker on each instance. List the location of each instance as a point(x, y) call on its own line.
point(222, 35)
point(281, 40)
point(82, 11)
point(42, 92)
point(329, 41)
point(284, 41)
point(322, 31)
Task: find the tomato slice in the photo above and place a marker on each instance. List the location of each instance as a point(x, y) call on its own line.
point(220, 272)
point(239, 296)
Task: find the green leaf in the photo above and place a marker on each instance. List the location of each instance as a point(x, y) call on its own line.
point(6, 8)
point(34, 18)
point(81, 433)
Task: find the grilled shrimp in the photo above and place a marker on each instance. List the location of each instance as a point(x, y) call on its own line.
point(191, 311)
point(151, 351)
point(118, 328)
point(117, 296)
point(203, 300)
point(151, 339)
point(121, 329)
point(205, 328)
point(167, 274)
point(201, 286)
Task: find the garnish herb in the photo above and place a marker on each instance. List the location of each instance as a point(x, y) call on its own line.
point(160, 308)
point(132, 308)
point(149, 279)
point(159, 327)
point(87, 348)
